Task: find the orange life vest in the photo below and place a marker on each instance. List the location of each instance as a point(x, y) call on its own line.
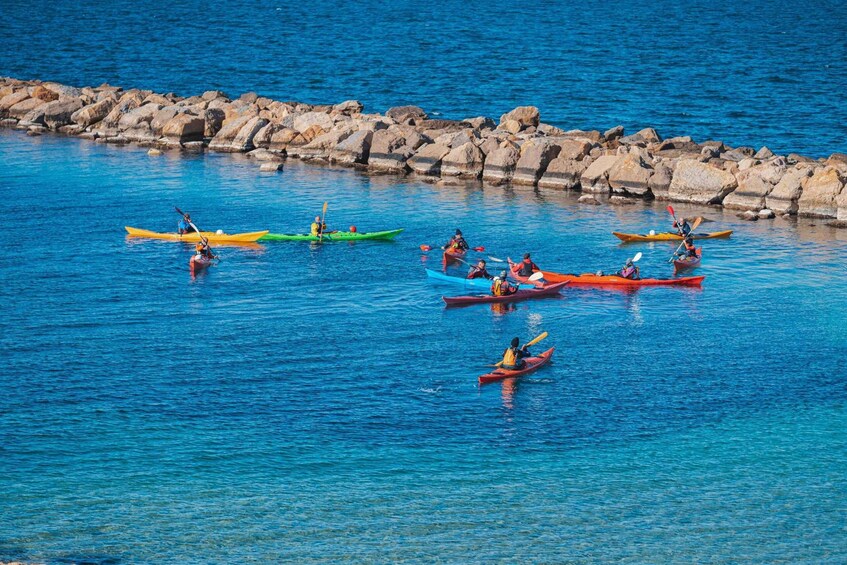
point(499, 287)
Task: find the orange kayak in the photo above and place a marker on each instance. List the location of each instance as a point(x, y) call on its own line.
point(589, 279)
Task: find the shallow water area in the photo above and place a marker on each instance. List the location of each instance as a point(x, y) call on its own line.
point(319, 403)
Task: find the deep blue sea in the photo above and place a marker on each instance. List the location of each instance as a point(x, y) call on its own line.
point(319, 403)
point(749, 73)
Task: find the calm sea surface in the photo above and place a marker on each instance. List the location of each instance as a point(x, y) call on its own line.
point(752, 73)
point(320, 404)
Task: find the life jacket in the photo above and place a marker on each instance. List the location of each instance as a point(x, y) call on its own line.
point(526, 267)
point(510, 358)
point(629, 272)
point(500, 287)
point(477, 273)
point(317, 229)
point(458, 243)
point(690, 248)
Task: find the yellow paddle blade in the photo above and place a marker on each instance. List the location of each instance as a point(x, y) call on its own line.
point(325, 205)
point(696, 223)
point(537, 339)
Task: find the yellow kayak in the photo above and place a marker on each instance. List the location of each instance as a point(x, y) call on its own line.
point(668, 236)
point(194, 236)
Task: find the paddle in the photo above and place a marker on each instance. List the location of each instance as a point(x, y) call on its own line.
point(195, 228)
point(323, 223)
point(693, 227)
point(538, 338)
point(424, 247)
point(495, 259)
point(670, 209)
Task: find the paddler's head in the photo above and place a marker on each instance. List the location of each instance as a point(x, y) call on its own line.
point(199, 247)
point(515, 342)
point(458, 232)
point(526, 256)
point(318, 219)
point(503, 275)
point(481, 263)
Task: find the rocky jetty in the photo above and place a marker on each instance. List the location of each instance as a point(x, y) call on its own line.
point(518, 149)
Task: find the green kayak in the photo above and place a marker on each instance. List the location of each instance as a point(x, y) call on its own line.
point(330, 237)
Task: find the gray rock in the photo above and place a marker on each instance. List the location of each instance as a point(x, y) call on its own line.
point(404, 114)
point(93, 113)
point(24, 107)
point(465, 161)
point(390, 150)
point(763, 153)
point(563, 173)
point(784, 197)
point(270, 167)
point(588, 199)
point(500, 165)
point(354, 150)
point(237, 136)
point(766, 214)
point(621, 200)
point(304, 121)
point(480, 123)
point(534, 159)
point(613, 133)
point(700, 183)
point(136, 116)
point(630, 175)
point(349, 107)
point(595, 179)
point(182, 128)
point(754, 185)
point(526, 116)
point(427, 160)
point(820, 193)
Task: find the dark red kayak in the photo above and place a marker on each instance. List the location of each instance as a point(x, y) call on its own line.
point(688, 262)
point(532, 364)
point(549, 290)
point(197, 263)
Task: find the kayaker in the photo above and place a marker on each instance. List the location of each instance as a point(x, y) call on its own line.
point(513, 357)
point(500, 286)
point(479, 271)
point(682, 227)
point(629, 271)
point(318, 227)
point(457, 242)
point(184, 225)
point(690, 250)
point(204, 251)
point(525, 268)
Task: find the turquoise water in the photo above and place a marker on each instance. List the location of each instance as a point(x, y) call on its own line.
point(753, 73)
point(319, 403)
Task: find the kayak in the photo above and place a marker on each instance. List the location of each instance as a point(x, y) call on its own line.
point(194, 236)
point(197, 263)
point(330, 237)
point(454, 256)
point(468, 283)
point(532, 364)
point(589, 279)
point(667, 236)
point(688, 262)
point(548, 290)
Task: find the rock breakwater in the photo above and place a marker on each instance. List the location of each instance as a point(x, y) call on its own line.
point(517, 149)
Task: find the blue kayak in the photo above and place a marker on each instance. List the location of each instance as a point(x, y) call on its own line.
point(467, 283)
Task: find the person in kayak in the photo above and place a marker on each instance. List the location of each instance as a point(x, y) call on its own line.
point(690, 250)
point(526, 267)
point(682, 227)
point(479, 271)
point(204, 251)
point(629, 271)
point(513, 357)
point(502, 287)
point(318, 227)
point(457, 242)
point(184, 225)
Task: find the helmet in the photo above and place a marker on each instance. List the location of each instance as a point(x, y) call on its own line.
point(220, 232)
point(352, 229)
point(458, 231)
point(652, 232)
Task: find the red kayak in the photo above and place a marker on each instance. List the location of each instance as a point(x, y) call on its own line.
point(532, 364)
point(454, 256)
point(688, 262)
point(197, 263)
point(589, 279)
point(548, 290)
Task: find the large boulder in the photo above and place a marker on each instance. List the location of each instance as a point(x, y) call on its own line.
point(575, 149)
point(533, 162)
point(43, 93)
point(820, 192)
point(304, 121)
point(354, 150)
point(214, 118)
point(700, 183)
point(348, 107)
point(93, 113)
point(754, 185)
point(138, 115)
point(427, 160)
point(390, 150)
point(53, 114)
point(660, 181)
point(644, 136)
point(465, 161)
point(183, 128)
point(784, 197)
point(163, 116)
point(319, 149)
point(11, 99)
point(129, 101)
point(282, 138)
point(631, 175)
point(263, 137)
point(24, 107)
point(563, 173)
point(525, 116)
point(237, 135)
point(405, 114)
point(500, 164)
point(595, 179)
